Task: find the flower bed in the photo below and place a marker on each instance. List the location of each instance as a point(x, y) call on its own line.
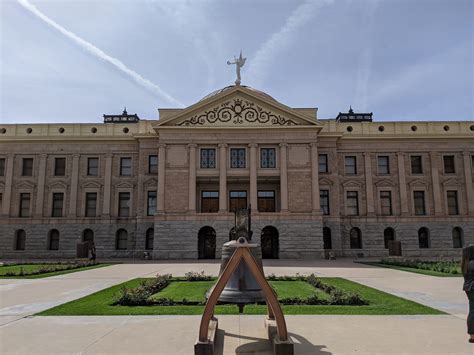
point(447, 267)
point(32, 269)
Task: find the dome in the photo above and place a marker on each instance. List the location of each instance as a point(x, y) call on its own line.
point(217, 92)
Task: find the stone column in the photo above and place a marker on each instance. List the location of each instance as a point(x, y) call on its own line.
point(468, 179)
point(315, 178)
point(402, 184)
point(369, 190)
point(438, 206)
point(7, 195)
point(283, 177)
point(74, 185)
point(141, 198)
point(222, 178)
point(107, 185)
point(253, 176)
point(41, 182)
point(192, 178)
point(161, 177)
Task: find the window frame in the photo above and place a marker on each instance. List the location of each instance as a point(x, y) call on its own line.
point(245, 158)
point(122, 167)
point(425, 210)
point(267, 149)
point(355, 198)
point(89, 167)
point(271, 198)
point(202, 159)
point(238, 198)
point(421, 172)
point(22, 208)
point(152, 167)
point(23, 160)
point(55, 169)
point(379, 172)
point(457, 207)
point(445, 156)
point(50, 240)
point(57, 212)
point(150, 207)
point(389, 198)
point(120, 207)
point(86, 200)
point(346, 157)
point(213, 198)
point(325, 164)
point(321, 198)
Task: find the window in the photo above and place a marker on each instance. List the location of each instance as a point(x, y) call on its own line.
point(59, 166)
point(266, 201)
point(121, 239)
point(208, 158)
point(149, 239)
point(88, 235)
point(355, 238)
point(386, 203)
point(419, 203)
point(91, 204)
point(53, 240)
point(323, 163)
point(151, 204)
point(93, 166)
point(20, 239)
point(268, 158)
point(352, 203)
point(237, 158)
point(324, 201)
point(458, 237)
point(24, 205)
point(238, 200)
point(351, 165)
point(388, 236)
point(27, 168)
point(416, 164)
point(209, 201)
point(125, 166)
point(57, 210)
point(453, 208)
point(448, 161)
point(327, 240)
point(423, 238)
point(153, 164)
point(124, 204)
point(383, 165)
point(2, 167)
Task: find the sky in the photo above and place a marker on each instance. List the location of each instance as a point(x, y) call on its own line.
point(73, 61)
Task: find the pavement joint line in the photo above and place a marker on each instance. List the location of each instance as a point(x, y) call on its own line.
point(16, 320)
point(122, 323)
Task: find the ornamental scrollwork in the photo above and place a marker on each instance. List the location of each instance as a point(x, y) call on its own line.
point(237, 111)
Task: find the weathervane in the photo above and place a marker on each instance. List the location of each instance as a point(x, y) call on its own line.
point(239, 63)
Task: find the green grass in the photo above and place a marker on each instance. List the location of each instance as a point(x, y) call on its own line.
point(380, 303)
point(34, 267)
point(178, 290)
point(302, 289)
point(412, 269)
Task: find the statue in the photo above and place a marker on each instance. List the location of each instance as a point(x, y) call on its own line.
point(239, 63)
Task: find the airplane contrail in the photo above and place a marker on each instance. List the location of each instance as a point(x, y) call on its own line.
point(97, 52)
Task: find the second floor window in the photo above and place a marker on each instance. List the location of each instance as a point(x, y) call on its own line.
point(2, 166)
point(383, 165)
point(208, 158)
point(266, 201)
point(151, 204)
point(153, 164)
point(448, 161)
point(324, 201)
point(237, 157)
point(91, 204)
point(24, 205)
point(386, 203)
point(267, 158)
point(209, 201)
point(350, 165)
point(416, 164)
point(352, 203)
point(125, 166)
point(93, 166)
point(419, 203)
point(57, 210)
point(323, 163)
point(124, 204)
point(27, 168)
point(59, 166)
point(237, 200)
point(453, 208)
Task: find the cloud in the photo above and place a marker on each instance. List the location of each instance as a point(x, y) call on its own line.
point(98, 53)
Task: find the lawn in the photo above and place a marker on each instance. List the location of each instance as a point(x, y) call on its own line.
point(415, 270)
point(380, 303)
point(31, 268)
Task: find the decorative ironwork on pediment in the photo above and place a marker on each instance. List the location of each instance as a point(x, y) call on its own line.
point(237, 111)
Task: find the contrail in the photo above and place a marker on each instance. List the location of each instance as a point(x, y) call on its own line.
point(89, 47)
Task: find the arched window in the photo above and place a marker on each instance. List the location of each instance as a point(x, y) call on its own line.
point(388, 235)
point(458, 237)
point(53, 239)
point(327, 241)
point(423, 238)
point(20, 239)
point(87, 235)
point(355, 238)
point(121, 239)
point(207, 243)
point(269, 242)
point(150, 234)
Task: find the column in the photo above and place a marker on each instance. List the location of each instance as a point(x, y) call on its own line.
point(253, 176)
point(222, 178)
point(283, 177)
point(41, 182)
point(468, 179)
point(161, 177)
point(368, 185)
point(192, 178)
point(7, 195)
point(315, 178)
point(438, 206)
point(402, 184)
point(107, 185)
point(74, 185)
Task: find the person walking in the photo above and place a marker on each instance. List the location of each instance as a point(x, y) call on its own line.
point(467, 267)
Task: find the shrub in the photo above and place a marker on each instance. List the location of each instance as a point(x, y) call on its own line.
point(140, 295)
point(197, 276)
point(447, 267)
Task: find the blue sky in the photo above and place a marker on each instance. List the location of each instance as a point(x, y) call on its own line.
point(72, 61)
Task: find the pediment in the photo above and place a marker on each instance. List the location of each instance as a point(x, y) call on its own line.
point(385, 183)
point(451, 182)
point(91, 185)
point(151, 182)
point(325, 182)
point(124, 184)
point(418, 182)
point(25, 185)
point(238, 107)
point(352, 183)
point(58, 185)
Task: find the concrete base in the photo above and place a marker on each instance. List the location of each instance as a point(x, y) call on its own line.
point(207, 348)
point(279, 347)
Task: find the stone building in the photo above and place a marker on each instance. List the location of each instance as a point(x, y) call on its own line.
point(166, 188)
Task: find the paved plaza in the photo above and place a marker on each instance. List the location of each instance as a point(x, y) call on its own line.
point(23, 333)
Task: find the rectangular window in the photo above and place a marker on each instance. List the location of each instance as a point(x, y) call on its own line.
point(2, 166)
point(237, 200)
point(449, 164)
point(323, 163)
point(209, 201)
point(27, 168)
point(237, 158)
point(24, 205)
point(153, 164)
point(151, 204)
point(57, 210)
point(267, 158)
point(352, 203)
point(383, 165)
point(324, 201)
point(416, 164)
point(351, 165)
point(124, 204)
point(125, 166)
point(419, 202)
point(59, 166)
point(266, 201)
point(91, 204)
point(453, 208)
point(386, 203)
point(208, 158)
point(93, 166)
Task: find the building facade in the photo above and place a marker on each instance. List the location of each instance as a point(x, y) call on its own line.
point(166, 188)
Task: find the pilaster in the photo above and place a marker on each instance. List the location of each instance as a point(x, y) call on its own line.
point(192, 178)
point(107, 185)
point(283, 177)
point(369, 190)
point(438, 206)
point(222, 178)
point(74, 185)
point(468, 179)
point(402, 184)
point(253, 176)
point(316, 204)
point(41, 186)
point(7, 195)
point(161, 177)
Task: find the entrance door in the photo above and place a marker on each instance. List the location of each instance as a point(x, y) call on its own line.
point(207, 243)
point(269, 243)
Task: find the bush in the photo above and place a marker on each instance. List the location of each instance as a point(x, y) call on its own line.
point(197, 276)
point(44, 269)
point(140, 295)
point(447, 267)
